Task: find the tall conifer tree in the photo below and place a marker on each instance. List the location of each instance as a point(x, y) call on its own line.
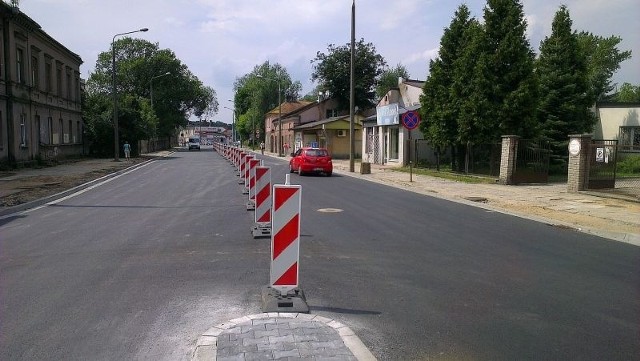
point(564, 90)
point(440, 103)
point(509, 61)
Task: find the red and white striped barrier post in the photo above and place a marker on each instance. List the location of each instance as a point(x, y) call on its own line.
point(247, 160)
point(284, 294)
point(262, 214)
point(239, 161)
point(235, 152)
point(241, 166)
point(285, 237)
point(251, 203)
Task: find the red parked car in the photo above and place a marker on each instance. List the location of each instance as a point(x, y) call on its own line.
point(311, 160)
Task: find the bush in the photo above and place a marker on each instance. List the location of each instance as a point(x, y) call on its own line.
point(629, 165)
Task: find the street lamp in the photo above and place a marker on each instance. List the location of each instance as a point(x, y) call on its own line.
point(233, 135)
point(114, 91)
point(151, 97)
point(151, 85)
point(233, 121)
point(279, 142)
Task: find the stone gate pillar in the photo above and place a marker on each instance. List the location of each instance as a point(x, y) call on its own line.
point(508, 158)
point(579, 150)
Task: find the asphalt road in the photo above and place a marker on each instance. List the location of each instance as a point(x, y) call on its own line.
point(139, 267)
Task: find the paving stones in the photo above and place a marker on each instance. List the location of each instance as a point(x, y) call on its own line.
point(287, 336)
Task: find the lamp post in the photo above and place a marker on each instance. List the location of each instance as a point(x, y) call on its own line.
point(151, 97)
point(279, 142)
point(151, 85)
point(233, 124)
point(114, 91)
point(233, 120)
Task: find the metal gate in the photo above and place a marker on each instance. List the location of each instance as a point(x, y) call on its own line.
point(532, 161)
point(602, 167)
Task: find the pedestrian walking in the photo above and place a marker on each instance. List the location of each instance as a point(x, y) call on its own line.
point(262, 147)
point(127, 150)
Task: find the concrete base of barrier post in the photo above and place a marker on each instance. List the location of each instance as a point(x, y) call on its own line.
point(293, 301)
point(261, 230)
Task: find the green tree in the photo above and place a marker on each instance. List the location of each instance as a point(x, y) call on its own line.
point(389, 79)
point(176, 96)
point(256, 94)
point(512, 93)
point(565, 99)
point(333, 72)
point(447, 87)
point(628, 93)
point(603, 60)
point(562, 72)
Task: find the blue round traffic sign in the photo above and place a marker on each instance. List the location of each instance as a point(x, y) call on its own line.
point(410, 119)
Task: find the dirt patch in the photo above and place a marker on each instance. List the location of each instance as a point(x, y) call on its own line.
point(27, 189)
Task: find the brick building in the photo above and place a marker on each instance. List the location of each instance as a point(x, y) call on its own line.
point(40, 92)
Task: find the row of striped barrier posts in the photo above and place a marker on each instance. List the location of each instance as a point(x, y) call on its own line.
point(276, 214)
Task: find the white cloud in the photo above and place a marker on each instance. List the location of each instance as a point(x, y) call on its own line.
point(220, 40)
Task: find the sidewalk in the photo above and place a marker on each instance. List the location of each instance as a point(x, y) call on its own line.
point(602, 214)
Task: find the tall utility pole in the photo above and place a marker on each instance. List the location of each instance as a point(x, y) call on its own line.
point(280, 147)
point(352, 92)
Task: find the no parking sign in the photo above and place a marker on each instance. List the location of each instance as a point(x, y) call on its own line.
point(410, 119)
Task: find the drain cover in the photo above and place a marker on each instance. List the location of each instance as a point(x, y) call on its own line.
point(330, 210)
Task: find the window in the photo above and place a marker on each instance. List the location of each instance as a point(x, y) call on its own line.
point(394, 143)
point(332, 113)
point(1, 135)
point(60, 132)
point(35, 79)
point(48, 137)
point(629, 139)
point(23, 131)
point(79, 132)
point(19, 65)
point(68, 83)
point(71, 140)
point(77, 98)
point(48, 76)
point(38, 126)
point(59, 79)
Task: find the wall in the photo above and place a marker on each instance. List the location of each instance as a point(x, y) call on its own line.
point(611, 118)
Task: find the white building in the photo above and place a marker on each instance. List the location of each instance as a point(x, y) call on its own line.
point(386, 139)
point(619, 121)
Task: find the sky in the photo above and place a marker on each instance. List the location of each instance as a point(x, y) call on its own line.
point(222, 40)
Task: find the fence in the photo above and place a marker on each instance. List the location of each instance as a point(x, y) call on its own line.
point(532, 161)
point(481, 159)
